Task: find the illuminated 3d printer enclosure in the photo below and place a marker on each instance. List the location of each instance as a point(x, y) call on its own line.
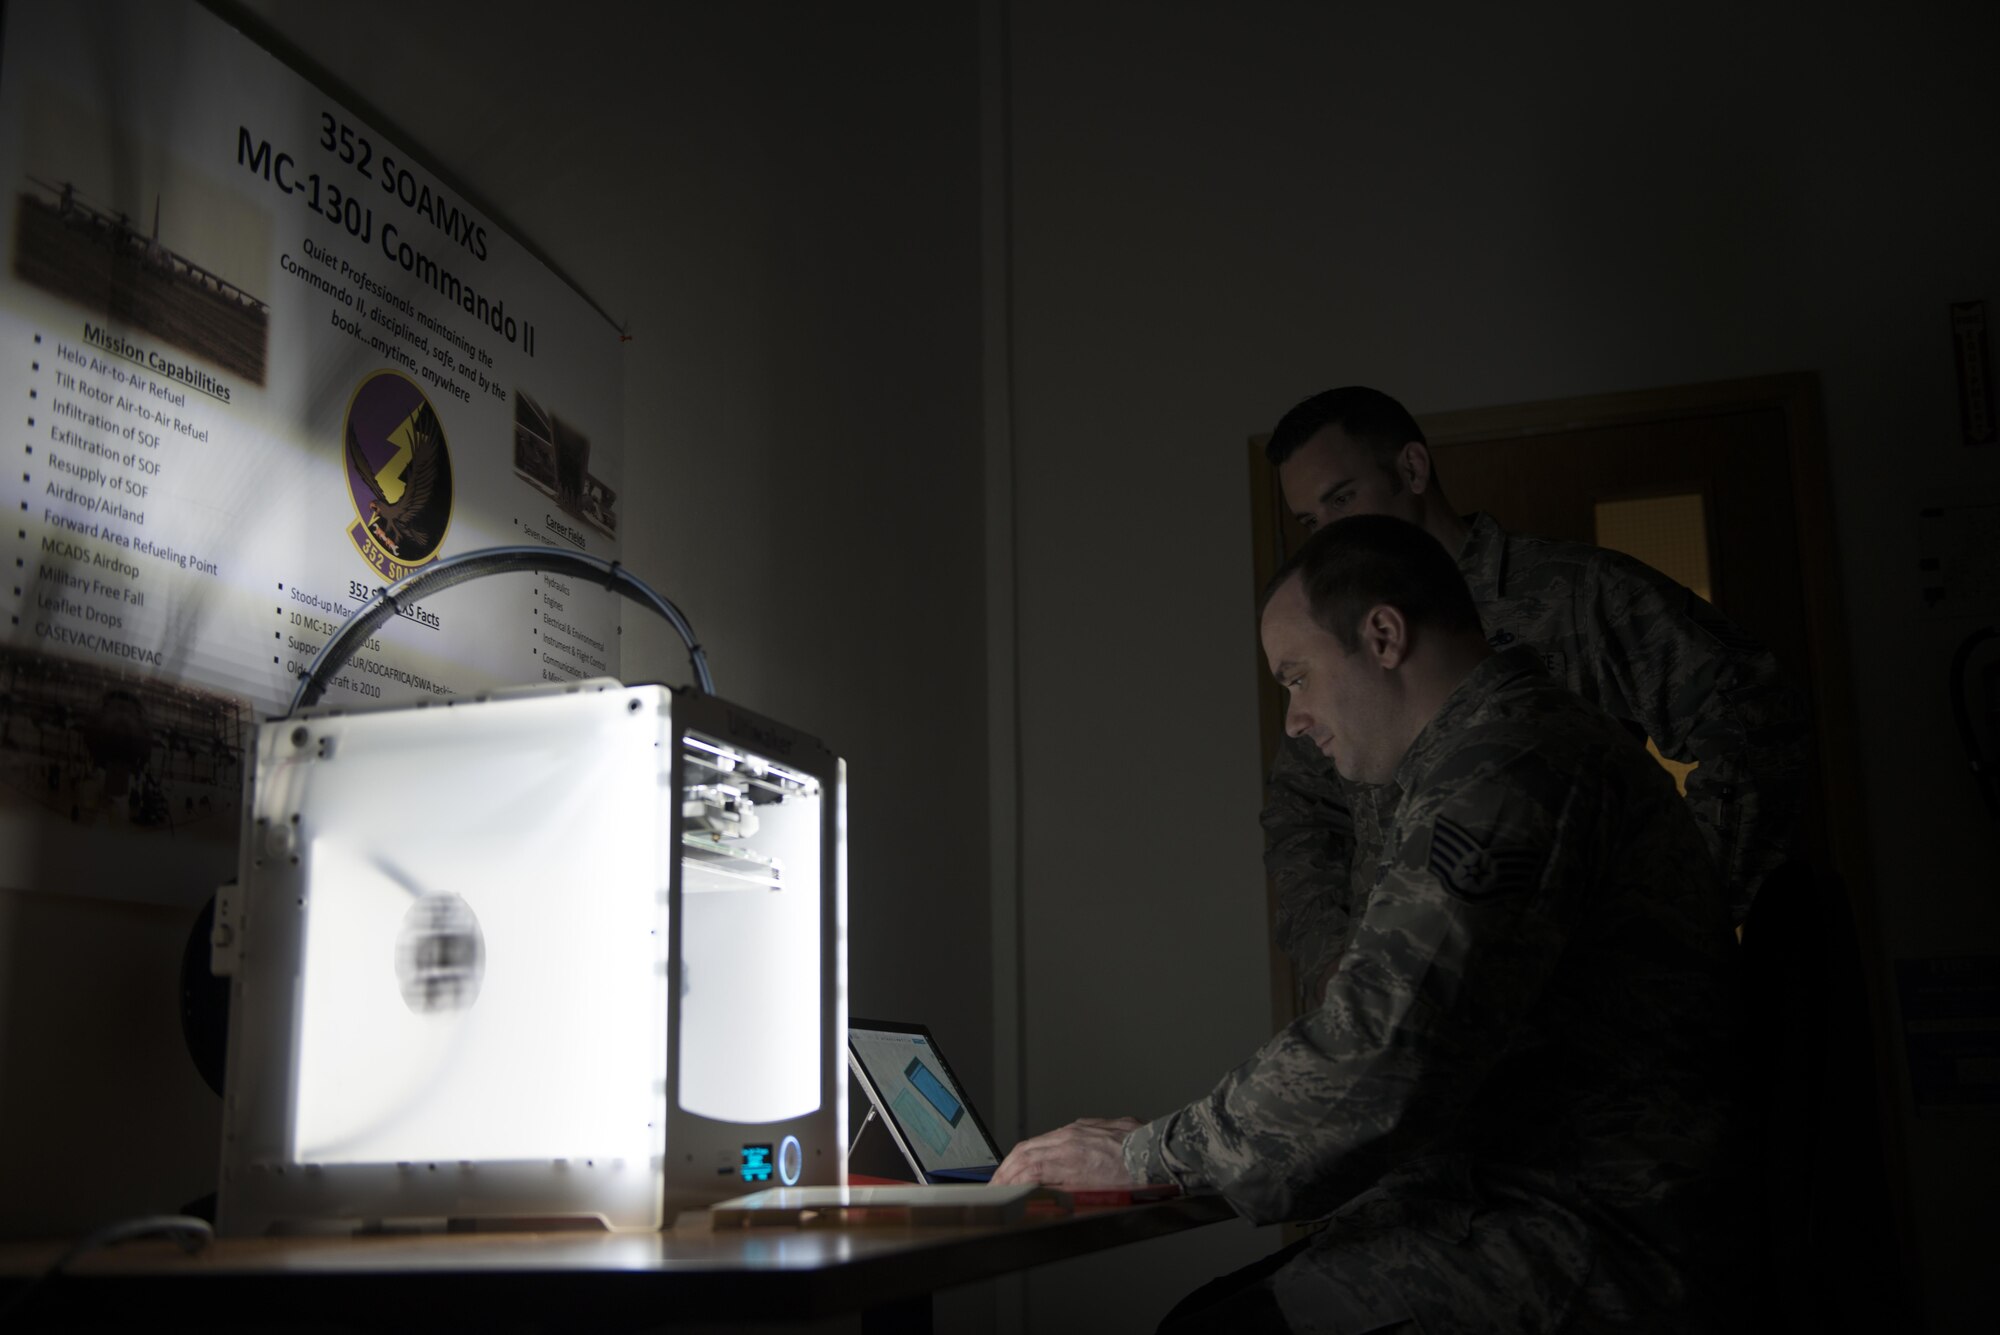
point(572, 952)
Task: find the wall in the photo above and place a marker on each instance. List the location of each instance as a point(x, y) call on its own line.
point(782, 203)
point(1218, 212)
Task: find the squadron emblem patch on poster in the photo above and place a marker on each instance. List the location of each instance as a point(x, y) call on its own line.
point(398, 474)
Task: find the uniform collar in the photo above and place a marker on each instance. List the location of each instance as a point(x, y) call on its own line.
point(1461, 706)
point(1483, 558)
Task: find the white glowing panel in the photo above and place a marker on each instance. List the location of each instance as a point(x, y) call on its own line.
point(751, 1042)
point(483, 965)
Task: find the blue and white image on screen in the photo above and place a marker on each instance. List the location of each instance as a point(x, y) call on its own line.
point(922, 1100)
point(931, 1087)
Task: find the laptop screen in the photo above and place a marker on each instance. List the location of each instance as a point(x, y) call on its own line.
point(914, 1090)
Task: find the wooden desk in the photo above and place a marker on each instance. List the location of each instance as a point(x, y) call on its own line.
point(878, 1277)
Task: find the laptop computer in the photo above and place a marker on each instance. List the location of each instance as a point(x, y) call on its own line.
point(917, 1097)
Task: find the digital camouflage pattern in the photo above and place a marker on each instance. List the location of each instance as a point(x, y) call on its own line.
point(1622, 636)
point(1511, 1106)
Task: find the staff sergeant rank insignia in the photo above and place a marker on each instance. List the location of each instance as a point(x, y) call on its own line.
point(1469, 870)
point(398, 475)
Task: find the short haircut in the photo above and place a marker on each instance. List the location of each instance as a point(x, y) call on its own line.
point(1363, 561)
point(1367, 416)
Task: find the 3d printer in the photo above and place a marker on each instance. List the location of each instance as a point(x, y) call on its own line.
point(563, 953)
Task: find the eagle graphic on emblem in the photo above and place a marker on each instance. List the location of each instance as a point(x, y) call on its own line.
point(402, 517)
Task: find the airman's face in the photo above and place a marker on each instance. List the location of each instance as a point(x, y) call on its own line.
point(1340, 701)
point(1331, 477)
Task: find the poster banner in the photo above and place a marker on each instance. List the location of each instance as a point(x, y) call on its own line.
point(256, 361)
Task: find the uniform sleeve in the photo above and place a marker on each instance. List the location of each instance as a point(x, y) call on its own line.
point(1309, 842)
point(1472, 911)
point(1706, 693)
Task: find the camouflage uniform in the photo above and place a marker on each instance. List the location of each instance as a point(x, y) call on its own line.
point(1624, 637)
point(1511, 1106)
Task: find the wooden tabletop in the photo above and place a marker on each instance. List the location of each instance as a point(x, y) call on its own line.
point(692, 1272)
